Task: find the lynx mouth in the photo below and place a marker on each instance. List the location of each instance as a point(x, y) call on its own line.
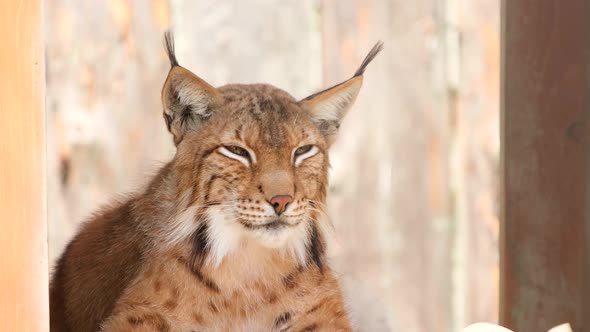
point(272, 225)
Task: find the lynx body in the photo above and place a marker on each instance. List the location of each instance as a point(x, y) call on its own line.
point(228, 236)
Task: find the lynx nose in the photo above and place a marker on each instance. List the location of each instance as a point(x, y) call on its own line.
point(280, 202)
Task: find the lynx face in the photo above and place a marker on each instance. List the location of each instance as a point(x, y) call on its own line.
point(260, 170)
point(269, 166)
point(253, 163)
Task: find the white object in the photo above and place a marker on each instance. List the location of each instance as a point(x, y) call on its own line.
point(562, 328)
point(485, 327)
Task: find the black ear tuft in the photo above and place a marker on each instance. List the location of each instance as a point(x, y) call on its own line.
point(169, 44)
point(372, 54)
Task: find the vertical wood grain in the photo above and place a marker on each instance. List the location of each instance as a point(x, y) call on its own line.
point(23, 233)
point(545, 105)
point(105, 69)
point(389, 194)
point(254, 41)
point(477, 121)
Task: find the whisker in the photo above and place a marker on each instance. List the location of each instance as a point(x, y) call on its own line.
point(323, 214)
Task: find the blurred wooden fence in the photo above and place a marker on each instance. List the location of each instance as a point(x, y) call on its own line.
point(414, 179)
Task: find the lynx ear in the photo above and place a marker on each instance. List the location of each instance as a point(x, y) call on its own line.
point(187, 99)
point(327, 108)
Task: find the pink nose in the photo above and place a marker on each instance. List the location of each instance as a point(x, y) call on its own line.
point(280, 202)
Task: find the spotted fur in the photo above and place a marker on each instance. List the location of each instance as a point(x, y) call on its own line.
point(203, 247)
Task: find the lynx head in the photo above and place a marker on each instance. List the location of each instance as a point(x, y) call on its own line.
point(252, 162)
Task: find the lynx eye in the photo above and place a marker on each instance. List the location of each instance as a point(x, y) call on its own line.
point(237, 153)
point(304, 152)
point(238, 150)
point(302, 149)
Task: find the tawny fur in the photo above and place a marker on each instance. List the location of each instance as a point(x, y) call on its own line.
point(201, 248)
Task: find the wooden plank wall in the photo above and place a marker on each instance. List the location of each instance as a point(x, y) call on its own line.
point(418, 228)
point(477, 116)
point(419, 154)
point(392, 195)
point(545, 110)
point(23, 235)
point(105, 68)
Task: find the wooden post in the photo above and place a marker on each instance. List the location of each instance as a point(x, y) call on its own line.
point(545, 105)
point(23, 235)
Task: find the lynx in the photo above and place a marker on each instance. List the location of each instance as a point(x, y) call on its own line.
point(231, 234)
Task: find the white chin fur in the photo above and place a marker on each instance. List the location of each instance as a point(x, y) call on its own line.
point(289, 240)
point(225, 235)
